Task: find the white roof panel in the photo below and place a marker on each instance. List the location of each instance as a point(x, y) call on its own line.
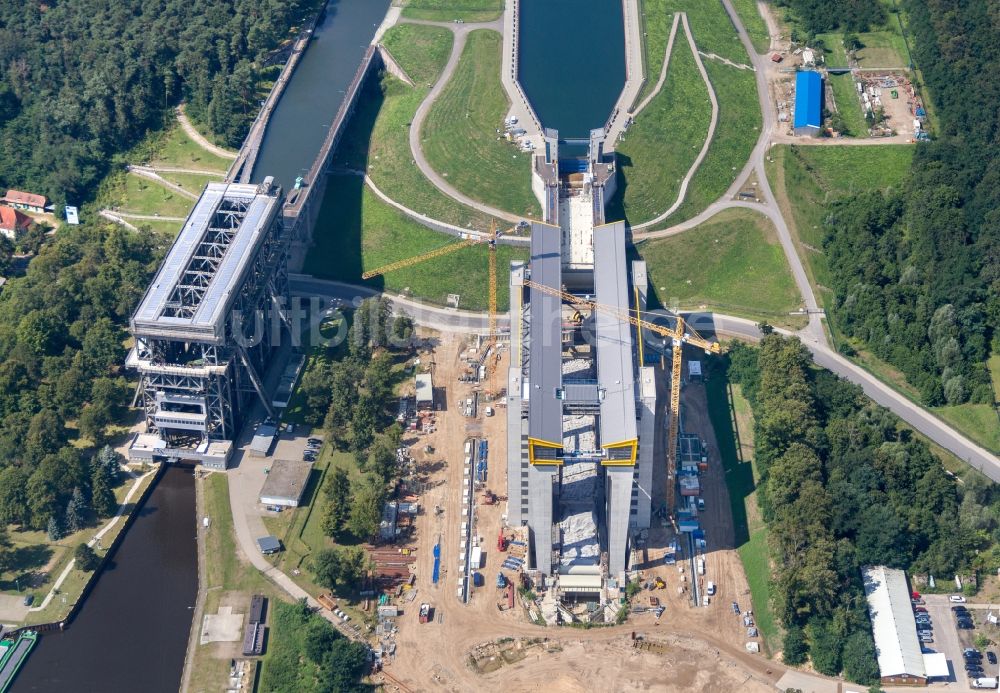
point(893, 625)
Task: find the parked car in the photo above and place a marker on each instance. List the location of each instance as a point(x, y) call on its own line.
point(921, 609)
point(29, 600)
point(991, 657)
point(958, 609)
point(926, 638)
point(956, 598)
point(314, 441)
point(965, 625)
point(971, 652)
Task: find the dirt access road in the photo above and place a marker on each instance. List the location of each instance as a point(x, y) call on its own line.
point(699, 648)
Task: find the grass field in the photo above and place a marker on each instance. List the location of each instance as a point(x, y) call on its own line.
point(735, 136)
point(663, 142)
point(978, 421)
point(377, 140)
point(833, 44)
point(177, 149)
point(733, 263)
point(190, 181)
point(143, 196)
point(421, 51)
point(459, 135)
point(713, 30)
point(656, 24)
point(845, 95)
point(356, 231)
point(883, 48)
point(807, 179)
point(448, 10)
point(732, 422)
point(755, 25)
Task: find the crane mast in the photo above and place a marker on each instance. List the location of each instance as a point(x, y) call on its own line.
point(680, 334)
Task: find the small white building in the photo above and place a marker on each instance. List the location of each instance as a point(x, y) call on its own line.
point(425, 391)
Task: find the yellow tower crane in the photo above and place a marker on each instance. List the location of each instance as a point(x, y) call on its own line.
point(491, 239)
point(679, 335)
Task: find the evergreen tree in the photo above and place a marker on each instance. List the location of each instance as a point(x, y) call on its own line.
point(55, 529)
point(77, 511)
point(102, 496)
point(338, 507)
point(86, 559)
point(110, 461)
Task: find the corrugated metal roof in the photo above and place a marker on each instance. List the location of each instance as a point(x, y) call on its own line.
point(545, 335)
point(808, 99)
point(615, 370)
point(893, 625)
point(581, 392)
point(230, 271)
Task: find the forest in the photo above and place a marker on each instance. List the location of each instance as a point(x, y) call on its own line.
point(841, 485)
point(819, 16)
point(916, 274)
point(61, 360)
point(82, 81)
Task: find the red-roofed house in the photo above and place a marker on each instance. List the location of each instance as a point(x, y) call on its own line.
point(26, 200)
point(12, 222)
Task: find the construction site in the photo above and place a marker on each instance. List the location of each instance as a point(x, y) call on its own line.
point(566, 469)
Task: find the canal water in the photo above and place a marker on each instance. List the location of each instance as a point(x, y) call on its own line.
point(132, 631)
point(571, 61)
point(309, 104)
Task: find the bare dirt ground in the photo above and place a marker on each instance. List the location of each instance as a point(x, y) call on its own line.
point(699, 649)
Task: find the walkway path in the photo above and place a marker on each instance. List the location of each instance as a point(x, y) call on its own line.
point(461, 32)
point(191, 131)
point(147, 217)
point(708, 137)
point(727, 61)
point(112, 216)
point(192, 171)
point(663, 71)
point(151, 174)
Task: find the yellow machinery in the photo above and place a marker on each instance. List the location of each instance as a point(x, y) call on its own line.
point(679, 335)
point(491, 239)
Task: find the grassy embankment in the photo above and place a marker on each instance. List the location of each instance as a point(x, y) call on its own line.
point(733, 263)
point(755, 25)
point(356, 232)
point(128, 193)
point(732, 421)
point(450, 10)
point(663, 142)
point(225, 573)
point(377, 136)
point(655, 34)
point(806, 180)
point(459, 135)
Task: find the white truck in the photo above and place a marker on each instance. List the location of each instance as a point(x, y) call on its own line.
point(710, 589)
point(990, 682)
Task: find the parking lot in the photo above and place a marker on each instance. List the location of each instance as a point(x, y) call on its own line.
point(950, 640)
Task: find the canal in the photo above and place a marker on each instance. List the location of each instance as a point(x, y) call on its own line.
point(132, 631)
point(571, 61)
point(309, 104)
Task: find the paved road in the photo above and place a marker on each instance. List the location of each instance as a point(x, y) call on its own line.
point(194, 171)
point(913, 414)
point(461, 32)
point(477, 323)
point(682, 193)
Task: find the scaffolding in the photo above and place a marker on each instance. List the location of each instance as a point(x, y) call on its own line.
point(210, 321)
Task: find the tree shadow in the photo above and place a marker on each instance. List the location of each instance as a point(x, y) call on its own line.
point(738, 471)
point(615, 208)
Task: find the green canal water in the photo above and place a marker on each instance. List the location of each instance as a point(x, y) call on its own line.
point(571, 61)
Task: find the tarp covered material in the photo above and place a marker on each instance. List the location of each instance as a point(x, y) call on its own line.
point(425, 388)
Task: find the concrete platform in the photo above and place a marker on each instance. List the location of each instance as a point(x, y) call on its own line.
point(225, 626)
